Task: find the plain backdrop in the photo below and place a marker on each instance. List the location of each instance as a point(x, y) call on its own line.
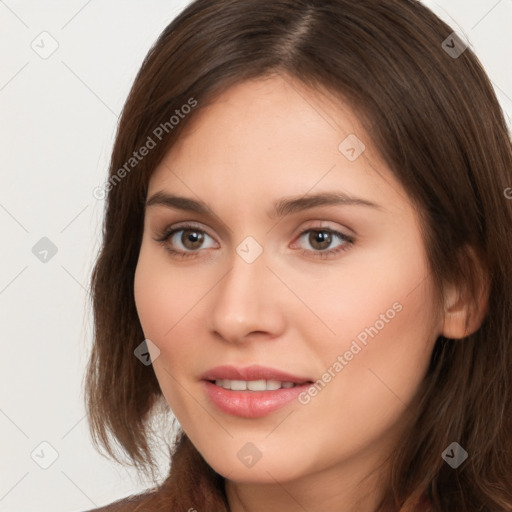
point(66, 68)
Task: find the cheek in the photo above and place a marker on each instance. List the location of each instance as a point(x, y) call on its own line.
point(383, 360)
point(163, 295)
point(149, 291)
point(382, 313)
point(164, 304)
point(379, 288)
point(386, 334)
point(169, 305)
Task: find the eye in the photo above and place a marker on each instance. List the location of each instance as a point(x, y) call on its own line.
point(184, 241)
point(321, 239)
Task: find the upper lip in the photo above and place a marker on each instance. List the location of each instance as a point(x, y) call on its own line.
point(254, 372)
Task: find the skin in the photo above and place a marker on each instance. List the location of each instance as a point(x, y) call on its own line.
point(260, 141)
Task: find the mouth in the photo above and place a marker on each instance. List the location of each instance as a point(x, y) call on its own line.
point(252, 377)
point(256, 385)
point(252, 392)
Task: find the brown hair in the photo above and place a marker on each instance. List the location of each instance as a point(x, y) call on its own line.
point(437, 123)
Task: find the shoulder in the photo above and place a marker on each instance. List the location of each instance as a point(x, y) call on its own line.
point(129, 504)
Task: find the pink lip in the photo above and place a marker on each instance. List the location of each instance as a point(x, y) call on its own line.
point(254, 372)
point(251, 404)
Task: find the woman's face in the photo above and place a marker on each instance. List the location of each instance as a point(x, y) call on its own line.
point(352, 312)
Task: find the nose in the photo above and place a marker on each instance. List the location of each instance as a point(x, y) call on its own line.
point(247, 303)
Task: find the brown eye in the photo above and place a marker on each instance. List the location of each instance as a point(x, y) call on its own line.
point(185, 241)
point(320, 240)
point(192, 239)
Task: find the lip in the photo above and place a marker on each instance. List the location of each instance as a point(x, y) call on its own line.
point(251, 404)
point(254, 372)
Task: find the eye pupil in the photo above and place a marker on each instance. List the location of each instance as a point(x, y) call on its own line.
point(191, 239)
point(323, 238)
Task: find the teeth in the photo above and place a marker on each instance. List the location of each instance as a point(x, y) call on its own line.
point(253, 385)
point(238, 385)
point(256, 385)
point(273, 384)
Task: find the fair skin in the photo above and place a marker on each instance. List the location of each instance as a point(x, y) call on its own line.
point(261, 141)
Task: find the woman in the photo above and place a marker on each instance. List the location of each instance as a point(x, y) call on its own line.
point(307, 234)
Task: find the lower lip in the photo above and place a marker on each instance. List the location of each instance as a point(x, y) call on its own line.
point(252, 404)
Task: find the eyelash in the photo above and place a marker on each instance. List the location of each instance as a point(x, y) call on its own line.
point(167, 233)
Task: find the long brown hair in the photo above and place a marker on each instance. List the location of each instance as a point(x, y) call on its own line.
point(436, 121)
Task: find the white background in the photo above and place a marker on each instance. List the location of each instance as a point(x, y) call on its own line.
point(57, 121)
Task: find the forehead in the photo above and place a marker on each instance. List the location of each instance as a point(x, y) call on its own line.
point(271, 109)
point(273, 134)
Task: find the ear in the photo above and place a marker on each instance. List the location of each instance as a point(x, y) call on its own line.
point(462, 316)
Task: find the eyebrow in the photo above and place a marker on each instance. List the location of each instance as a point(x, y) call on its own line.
point(281, 208)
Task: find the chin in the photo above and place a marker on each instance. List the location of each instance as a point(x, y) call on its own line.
point(266, 470)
